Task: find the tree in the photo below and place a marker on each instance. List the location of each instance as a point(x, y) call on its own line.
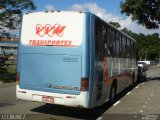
point(148, 46)
point(128, 32)
point(10, 14)
point(145, 12)
point(115, 24)
point(3, 65)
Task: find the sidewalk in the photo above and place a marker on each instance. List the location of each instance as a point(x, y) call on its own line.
point(143, 99)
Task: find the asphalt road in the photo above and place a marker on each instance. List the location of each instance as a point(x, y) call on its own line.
point(139, 102)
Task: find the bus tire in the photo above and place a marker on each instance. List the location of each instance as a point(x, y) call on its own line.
point(113, 92)
point(133, 78)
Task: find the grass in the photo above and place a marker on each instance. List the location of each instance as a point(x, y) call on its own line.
point(10, 75)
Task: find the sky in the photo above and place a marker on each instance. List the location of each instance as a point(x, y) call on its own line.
point(108, 10)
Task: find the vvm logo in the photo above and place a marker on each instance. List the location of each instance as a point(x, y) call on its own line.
point(50, 30)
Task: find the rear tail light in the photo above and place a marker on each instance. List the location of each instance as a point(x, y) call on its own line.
point(69, 97)
point(17, 79)
point(84, 84)
point(24, 92)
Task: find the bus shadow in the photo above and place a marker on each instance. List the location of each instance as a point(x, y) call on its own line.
point(6, 104)
point(89, 114)
point(72, 112)
point(152, 78)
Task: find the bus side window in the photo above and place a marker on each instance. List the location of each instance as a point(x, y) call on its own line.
point(114, 43)
point(120, 47)
point(100, 38)
point(123, 47)
point(134, 50)
point(109, 42)
point(131, 48)
point(117, 44)
point(105, 47)
point(128, 48)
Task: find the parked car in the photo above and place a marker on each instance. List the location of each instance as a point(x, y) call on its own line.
point(146, 61)
point(142, 68)
point(142, 76)
point(143, 65)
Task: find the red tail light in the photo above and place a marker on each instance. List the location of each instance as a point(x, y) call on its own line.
point(69, 97)
point(84, 84)
point(17, 79)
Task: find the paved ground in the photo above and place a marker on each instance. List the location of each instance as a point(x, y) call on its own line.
point(141, 102)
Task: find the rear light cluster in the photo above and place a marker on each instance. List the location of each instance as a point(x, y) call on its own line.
point(84, 84)
point(70, 97)
point(24, 92)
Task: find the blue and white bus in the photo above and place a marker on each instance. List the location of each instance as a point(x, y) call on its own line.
point(73, 59)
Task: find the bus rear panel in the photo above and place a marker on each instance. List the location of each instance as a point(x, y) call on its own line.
point(52, 59)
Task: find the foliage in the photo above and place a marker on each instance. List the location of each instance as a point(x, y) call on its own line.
point(145, 12)
point(148, 45)
point(11, 12)
point(7, 72)
point(3, 65)
point(115, 24)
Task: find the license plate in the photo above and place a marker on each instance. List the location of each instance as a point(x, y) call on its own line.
point(47, 99)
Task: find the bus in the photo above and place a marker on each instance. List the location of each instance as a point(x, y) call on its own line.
point(73, 59)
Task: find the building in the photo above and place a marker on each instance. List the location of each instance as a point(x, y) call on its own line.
point(8, 48)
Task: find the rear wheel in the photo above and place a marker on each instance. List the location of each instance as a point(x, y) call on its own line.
point(133, 78)
point(113, 93)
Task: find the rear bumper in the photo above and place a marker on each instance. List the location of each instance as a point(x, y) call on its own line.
point(81, 100)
